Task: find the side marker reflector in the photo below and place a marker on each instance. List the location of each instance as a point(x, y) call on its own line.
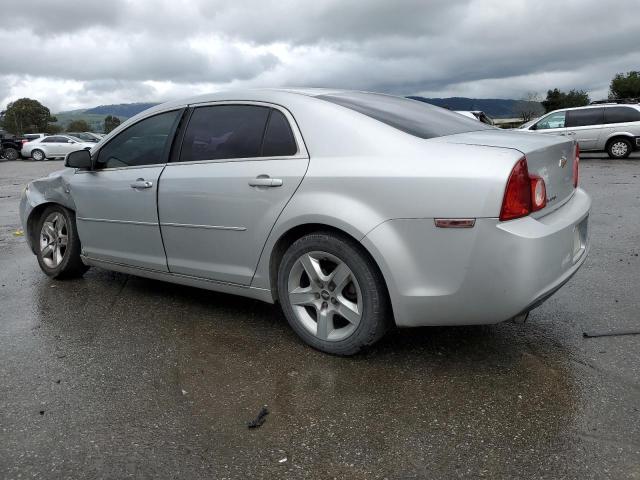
point(455, 222)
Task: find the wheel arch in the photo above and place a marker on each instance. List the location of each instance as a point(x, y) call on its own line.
point(625, 135)
point(287, 238)
point(34, 217)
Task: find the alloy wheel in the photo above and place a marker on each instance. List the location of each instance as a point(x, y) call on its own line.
point(325, 296)
point(619, 149)
point(53, 239)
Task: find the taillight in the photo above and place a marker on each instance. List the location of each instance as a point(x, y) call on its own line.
point(538, 193)
point(576, 166)
point(524, 194)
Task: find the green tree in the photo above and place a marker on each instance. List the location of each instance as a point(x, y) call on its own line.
point(26, 116)
point(79, 126)
point(625, 86)
point(53, 128)
point(110, 122)
point(529, 106)
point(558, 99)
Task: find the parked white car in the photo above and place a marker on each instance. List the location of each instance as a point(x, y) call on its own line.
point(476, 115)
point(54, 146)
point(614, 128)
point(30, 137)
point(86, 136)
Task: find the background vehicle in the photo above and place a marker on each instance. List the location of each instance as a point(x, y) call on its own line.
point(614, 128)
point(11, 146)
point(401, 212)
point(86, 136)
point(476, 115)
point(30, 137)
point(53, 146)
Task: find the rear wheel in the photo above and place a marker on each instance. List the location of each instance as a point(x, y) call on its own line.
point(332, 294)
point(58, 245)
point(11, 153)
point(619, 148)
point(37, 155)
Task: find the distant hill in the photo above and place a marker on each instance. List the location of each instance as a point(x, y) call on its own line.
point(494, 107)
point(125, 110)
point(95, 116)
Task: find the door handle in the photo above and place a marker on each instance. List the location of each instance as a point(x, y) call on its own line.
point(265, 181)
point(141, 183)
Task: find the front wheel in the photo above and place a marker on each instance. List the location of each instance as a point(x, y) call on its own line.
point(332, 294)
point(58, 246)
point(619, 148)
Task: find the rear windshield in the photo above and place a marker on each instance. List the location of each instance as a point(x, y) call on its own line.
point(411, 116)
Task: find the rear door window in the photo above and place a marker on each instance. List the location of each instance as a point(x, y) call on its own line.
point(585, 117)
point(411, 116)
point(224, 132)
point(621, 115)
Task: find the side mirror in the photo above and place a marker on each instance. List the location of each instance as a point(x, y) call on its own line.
point(78, 159)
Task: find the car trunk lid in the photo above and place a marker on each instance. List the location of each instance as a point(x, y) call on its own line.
point(549, 157)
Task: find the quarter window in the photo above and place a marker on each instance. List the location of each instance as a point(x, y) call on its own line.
point(278, 138)
point(145, 143)
point(555, 120)
point(621, 115)
point(224, 131)
point(585, 117)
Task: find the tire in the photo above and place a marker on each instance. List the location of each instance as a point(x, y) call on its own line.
point(619, 148)
point(11, 154)
point(58, 258)
point(360, 294)
point(38, 155)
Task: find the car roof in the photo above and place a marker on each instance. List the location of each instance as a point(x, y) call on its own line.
point(268, 95)
point(599, 105)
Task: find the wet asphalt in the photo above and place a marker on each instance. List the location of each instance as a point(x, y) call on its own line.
point(113, 376)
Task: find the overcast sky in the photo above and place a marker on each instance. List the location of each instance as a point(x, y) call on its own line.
point(75, 54)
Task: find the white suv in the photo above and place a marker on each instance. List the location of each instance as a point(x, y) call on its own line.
point(613, 127)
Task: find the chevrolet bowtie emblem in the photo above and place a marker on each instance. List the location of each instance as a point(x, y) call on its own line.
point(563, 161)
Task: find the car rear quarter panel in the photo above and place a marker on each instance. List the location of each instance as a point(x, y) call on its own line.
point(418, 180)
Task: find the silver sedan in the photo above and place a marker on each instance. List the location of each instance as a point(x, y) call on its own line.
point(53, 146)
point(355, 211)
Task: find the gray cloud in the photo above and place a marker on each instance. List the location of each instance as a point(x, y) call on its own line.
point(80, 54)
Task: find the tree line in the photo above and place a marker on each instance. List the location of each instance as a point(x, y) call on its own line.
point(622, 86)
point(27, 115)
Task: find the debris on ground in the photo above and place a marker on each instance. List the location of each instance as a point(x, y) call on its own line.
point(259, 420)
point(18, 233)
point(613, 333)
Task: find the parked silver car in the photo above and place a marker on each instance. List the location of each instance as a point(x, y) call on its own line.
point(353, 210)
point(53, 146)
point(614, 128)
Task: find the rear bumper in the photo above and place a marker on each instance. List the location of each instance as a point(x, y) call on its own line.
point(480, 275)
